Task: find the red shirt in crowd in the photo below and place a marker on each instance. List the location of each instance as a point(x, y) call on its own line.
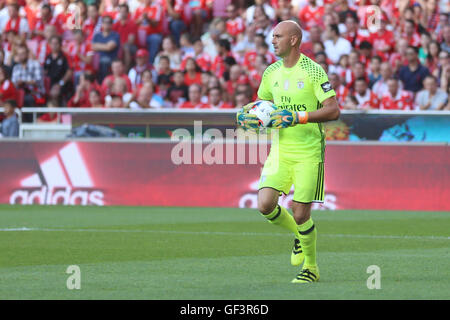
point(153, 12)
point(190, 105)
point(74, 50)
point(203, 61)
point(235, 26)
point(311, 16)
point(125, 29)
point(7, 91)
point(402, 101)
point(380, 40)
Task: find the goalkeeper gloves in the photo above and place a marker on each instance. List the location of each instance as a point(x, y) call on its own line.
point(247, 121)
point(283, 118)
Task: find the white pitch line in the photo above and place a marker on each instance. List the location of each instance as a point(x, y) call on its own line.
point(362, 236)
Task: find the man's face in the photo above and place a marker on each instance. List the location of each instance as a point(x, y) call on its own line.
point(214, 96)
point(335, 81)
point(123, 13)
point(231, 11)
point(281, 41)
point(13, 11)
point(430, 85)
point(385, 70)
point(409, 28)
point(92, 12)
point(194, 94)
point(360, 87)
point(411, 55)
point(22, 55)
point(107, 24)
point(392, 86)
point(117, 68)
point(55, 46)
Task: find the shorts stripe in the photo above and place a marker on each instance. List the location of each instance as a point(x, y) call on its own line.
point(319, 186)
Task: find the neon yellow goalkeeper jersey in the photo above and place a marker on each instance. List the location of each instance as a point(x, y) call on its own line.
point(300, 88)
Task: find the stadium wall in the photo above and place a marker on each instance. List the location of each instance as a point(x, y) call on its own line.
point(358, 176)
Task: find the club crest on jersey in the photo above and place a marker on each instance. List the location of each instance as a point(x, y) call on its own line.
point(326, 86)
point(300, 84)
point(286, 85)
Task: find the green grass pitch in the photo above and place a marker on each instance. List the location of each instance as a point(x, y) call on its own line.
point(211, 253)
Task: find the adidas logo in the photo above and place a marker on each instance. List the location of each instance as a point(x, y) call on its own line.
point(275, 85)
point(62, 179)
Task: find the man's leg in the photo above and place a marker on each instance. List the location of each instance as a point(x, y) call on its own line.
point(308, 183)
point(177, 27)
point(273, 212)
point(153, 43)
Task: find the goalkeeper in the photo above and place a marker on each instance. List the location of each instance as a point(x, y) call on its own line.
point(300, 89)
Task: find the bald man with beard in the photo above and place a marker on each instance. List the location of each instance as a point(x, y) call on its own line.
point(299, 87)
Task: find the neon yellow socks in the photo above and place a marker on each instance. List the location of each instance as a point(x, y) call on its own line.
point(281, 217)
point(308, 237)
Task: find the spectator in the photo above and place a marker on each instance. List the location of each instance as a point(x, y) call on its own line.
point(165, 73)
point(186, 46)
point(374, 70)
point(148, 16)
point(259, 5)
point(118, 75)
point(445, 71)
point(398, 58)
point(170, 50)
point(135, 73)
point(43, 47)
point(223, 51)
point(28, 75)
point(432, 58)
point(95, 99)
point(353, 33)
point(217, 31)
point(336, 46)
point(425, 40)
point(345, 11)
point(432, 97)
point(311, 15)
point(57, 69)
point(80, 54)
point(15, 22)
point(111, 9)
point(215, 99)
point(341, 90)
point(85, 86)
point(49, 117)
point(5, 67)
point(147, 98)
point(192, 73)
point(445, 45)
point(307, 47)
point(46, 18)
point(202, 59)
point(241, 98)
point(178, 92)
point(177, 24)
point(380, 87)
point(364, 96)
point(194, 98)
point(107, 44)
point(10, 125)
point(396, 98)
point(94, 23)
point(383, 40)
point(410, 33)
point(414, 73)
point(235, 25)
point(199, 11)
point(7, 89)
point(127, 30)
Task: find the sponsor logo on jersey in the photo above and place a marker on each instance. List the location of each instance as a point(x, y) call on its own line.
point(326, 86)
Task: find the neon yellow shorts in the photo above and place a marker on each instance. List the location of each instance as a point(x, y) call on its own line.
point(308, 178)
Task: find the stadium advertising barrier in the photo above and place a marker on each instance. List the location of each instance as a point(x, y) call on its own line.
point(396, 177)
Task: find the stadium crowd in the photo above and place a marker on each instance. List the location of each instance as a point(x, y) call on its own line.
point(379, 54)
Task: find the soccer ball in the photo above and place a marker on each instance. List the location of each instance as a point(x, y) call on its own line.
point(262, 109)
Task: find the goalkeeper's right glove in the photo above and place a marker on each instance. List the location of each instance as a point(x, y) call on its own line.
point(247, 121)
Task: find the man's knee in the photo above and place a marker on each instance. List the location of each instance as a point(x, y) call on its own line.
point(301, 211)
point(267, 201)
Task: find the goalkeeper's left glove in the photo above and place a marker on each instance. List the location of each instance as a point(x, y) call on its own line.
point(283, 118)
